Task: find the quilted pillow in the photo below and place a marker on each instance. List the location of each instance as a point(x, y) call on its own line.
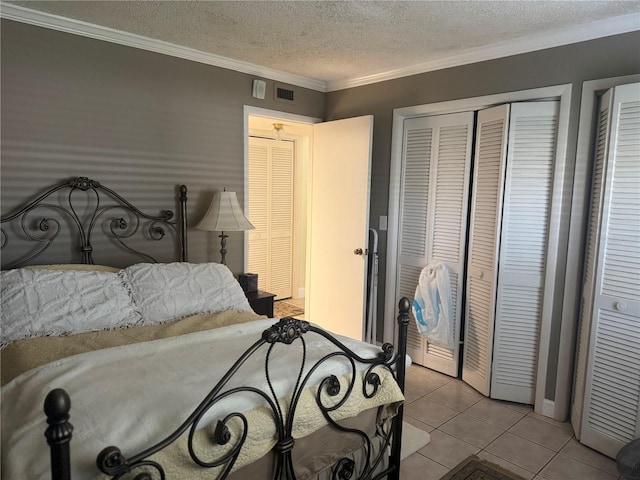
point(169, 291)
point(59, 302)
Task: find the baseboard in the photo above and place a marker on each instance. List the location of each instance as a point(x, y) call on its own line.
point(548, 408)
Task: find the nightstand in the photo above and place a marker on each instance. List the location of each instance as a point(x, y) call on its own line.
point(261, 302)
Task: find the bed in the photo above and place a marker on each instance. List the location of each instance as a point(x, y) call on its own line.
point(162, 370)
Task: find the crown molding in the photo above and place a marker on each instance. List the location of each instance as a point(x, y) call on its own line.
point(77, 27)
point(541, 41)
point(581, 33)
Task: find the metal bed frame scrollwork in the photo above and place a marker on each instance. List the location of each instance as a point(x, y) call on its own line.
point(286, 335)
point(288, 331)
point(42, 232)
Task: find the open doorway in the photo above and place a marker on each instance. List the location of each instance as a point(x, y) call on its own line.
point(333, 161)
point(276, 176)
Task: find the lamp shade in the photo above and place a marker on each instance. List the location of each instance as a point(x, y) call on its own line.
point(224, 215)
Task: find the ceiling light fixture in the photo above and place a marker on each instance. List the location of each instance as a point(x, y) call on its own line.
point(278, 127)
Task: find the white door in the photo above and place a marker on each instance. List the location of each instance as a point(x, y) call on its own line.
point(436, 166)
point(339, 223)
point(612, 396)
point(511, 204)
point(270, 244)
point(523, 250)
point(591, 257)
point(484, 245)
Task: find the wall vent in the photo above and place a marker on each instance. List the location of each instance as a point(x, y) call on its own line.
point(283, 94)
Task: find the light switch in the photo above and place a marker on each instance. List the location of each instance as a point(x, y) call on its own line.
point(383, 223)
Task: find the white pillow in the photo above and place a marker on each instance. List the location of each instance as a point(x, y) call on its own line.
point(169, 291)
point(60, 302)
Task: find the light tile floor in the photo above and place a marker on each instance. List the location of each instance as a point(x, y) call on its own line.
point(462, 422)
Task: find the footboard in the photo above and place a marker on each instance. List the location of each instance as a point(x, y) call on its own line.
point(366, 377)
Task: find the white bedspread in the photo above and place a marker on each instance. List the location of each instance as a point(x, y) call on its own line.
point(141, 393)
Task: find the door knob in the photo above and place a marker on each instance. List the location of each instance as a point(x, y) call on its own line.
point(359, 251)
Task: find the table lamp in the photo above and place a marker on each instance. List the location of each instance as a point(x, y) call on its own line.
point(224, 215)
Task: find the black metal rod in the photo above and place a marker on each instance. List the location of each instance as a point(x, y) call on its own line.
point(184, 255)
point(403, 323)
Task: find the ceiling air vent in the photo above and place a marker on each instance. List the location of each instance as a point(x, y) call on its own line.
point(284, 94)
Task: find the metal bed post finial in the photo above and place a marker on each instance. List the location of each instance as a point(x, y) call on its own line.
point(403, 324)
point(58, 434)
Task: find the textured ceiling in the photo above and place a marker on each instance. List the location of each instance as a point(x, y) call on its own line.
point(335, 41)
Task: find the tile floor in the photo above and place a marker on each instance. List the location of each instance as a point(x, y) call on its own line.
point(462, 422)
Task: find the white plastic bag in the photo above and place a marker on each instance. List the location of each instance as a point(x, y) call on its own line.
point(433, 305)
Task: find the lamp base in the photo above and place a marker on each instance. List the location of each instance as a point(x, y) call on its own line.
point(223, 248)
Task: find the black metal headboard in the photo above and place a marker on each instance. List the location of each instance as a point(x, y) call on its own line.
point(36, 226)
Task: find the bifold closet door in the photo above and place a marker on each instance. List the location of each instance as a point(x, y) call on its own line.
point(484, 245)
point(434, 196)
point(270, 245)
point(611, 415)
point(591, 257)
point(526, 215)
point(513, 183)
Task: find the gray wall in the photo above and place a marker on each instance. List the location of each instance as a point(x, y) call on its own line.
point(142, 123)
point(607, 57)
point(139, 122)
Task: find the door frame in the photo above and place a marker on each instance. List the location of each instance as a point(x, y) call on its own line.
point(552, 311)
point(284, 117)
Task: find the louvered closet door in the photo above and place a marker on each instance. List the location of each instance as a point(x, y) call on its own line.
point(414, 204)
point(523, 246)
point(433, 218)
point(258, 239)
point(612, 397)
point(281, 220)
point(484, 245)
point(582, 347)
point(270, 246)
